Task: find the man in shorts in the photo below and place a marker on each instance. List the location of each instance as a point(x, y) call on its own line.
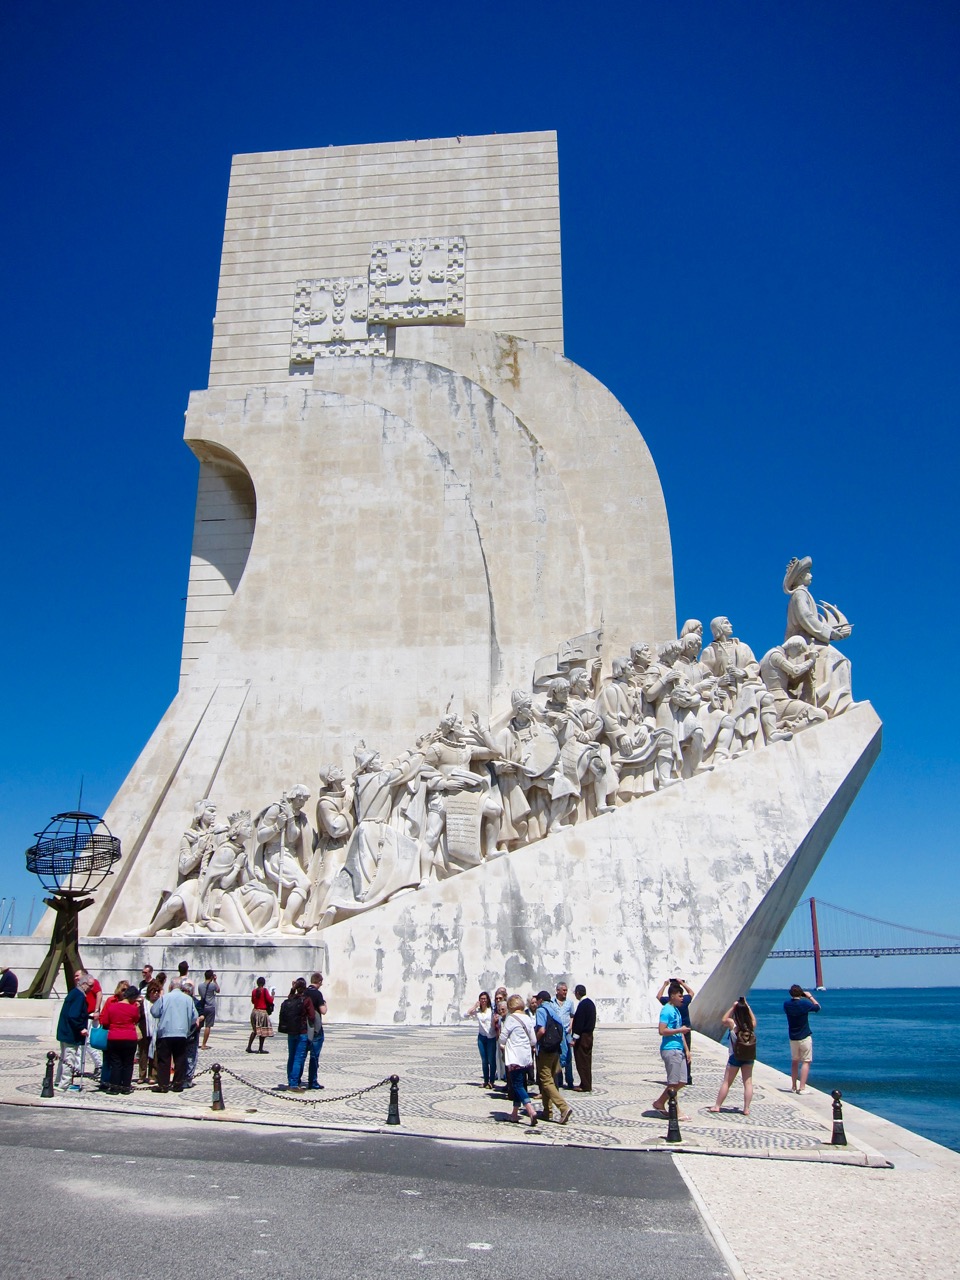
point(673, 1049)
point(798, 1009)
point(684, 1007)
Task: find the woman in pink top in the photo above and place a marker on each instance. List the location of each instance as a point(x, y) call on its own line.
point(121, 1017)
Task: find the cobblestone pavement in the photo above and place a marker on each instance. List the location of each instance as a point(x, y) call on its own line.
point(440, 1094)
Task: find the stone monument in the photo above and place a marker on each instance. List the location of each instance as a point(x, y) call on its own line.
point(410, 519)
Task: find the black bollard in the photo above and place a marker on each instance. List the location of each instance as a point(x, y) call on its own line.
point(839, 1138)
point(393, 1111)
point(673, 1121)
point(217, 1103)
point(47, 1090)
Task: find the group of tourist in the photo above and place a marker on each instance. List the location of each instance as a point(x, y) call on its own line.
point(553, 1032)
point(741, 1023)
point(155, 1025)
point(300, 1018)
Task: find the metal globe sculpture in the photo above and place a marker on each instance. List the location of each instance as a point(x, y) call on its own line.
point(71, 855)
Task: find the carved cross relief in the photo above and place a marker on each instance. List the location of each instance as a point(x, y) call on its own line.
point(418, 281)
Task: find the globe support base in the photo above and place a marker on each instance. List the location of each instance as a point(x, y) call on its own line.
point(64, 947)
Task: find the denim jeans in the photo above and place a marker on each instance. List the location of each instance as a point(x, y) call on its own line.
point(488, 1056)
point(517, 1086)
point(316, 1044)
point(296, 1057)
point(193, 1052)
point(566, 1062)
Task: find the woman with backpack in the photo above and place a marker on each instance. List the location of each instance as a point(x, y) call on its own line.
point(742, 1023)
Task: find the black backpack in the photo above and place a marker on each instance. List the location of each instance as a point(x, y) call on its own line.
point(291, 1016)
point(552, 1037)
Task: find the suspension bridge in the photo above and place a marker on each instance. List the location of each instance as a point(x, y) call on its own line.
point(817, 929)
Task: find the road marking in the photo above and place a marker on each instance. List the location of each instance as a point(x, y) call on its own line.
point(479, 1244)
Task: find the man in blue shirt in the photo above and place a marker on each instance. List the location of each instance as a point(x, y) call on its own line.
point(176, 1016)
point(673, 1049)
point(566, 1007)
point(549, 1027)
point(798, 1009)
point(684, 1007)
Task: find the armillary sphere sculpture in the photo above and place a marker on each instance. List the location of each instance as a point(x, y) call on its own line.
point(73, 855)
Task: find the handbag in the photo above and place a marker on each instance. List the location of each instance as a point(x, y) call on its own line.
point(97, 1038)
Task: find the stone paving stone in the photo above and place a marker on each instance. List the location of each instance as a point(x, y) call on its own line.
point(440, 1094)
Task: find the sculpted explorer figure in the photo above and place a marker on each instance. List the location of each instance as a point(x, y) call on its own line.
point(197, 845)
point(234, 895)
point(334, 827)
point(751, 705)
point(527, 754)
point(455, 788)
point(788, 674)
point(583, 772)
point(834, 692)
point(283, 835)
point(380, 859)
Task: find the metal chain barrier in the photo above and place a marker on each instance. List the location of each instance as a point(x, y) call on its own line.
point(286, 1095)
point(281, 1094)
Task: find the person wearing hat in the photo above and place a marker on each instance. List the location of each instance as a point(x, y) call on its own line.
point(548, 1057)
point(834, 691)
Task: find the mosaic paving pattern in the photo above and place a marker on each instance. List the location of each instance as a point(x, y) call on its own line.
point(440, 1095)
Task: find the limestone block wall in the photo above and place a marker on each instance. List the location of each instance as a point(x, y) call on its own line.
point(298, 214)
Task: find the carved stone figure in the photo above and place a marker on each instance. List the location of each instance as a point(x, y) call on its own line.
point(379, 859)
point(581, 685)
point(181, 908)
point(334, 826)
point(692, 627)
point(457, 793)
point(634, 743)
point(656, 681)
point(834, 691)
point(788, 672)
point(717, 724)
point(234, 896)
point(527, 756)
point(284, 846)
point(582, 767)
point(751, 705)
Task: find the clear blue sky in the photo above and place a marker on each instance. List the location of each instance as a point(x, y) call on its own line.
point(759, 212)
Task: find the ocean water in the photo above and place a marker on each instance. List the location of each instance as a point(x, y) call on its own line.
point(894, 1051)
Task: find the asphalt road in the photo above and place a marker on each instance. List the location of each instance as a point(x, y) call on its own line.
point(140, 1198)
